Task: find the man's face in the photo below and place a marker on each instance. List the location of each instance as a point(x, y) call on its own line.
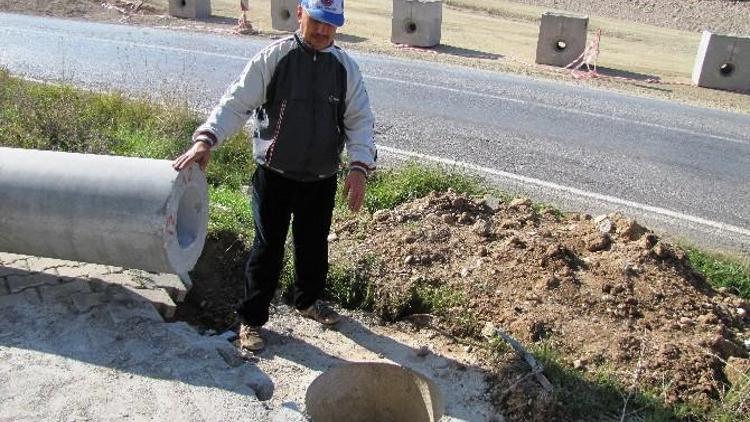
point(318, 34)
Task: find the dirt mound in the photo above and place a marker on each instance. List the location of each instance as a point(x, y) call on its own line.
point(724, 16)
point(604, 292)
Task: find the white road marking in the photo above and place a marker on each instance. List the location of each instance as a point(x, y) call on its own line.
point(580, 192)
point(424, 85)
point(564, 109)
point(537, 182)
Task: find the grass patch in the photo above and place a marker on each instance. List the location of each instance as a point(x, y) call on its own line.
point(722, 271)
point(62, 118)
point(589, 397)
point(350, 285)
point(230, 212)
point(387, 189)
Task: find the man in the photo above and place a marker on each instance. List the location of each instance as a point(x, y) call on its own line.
point(308, 100)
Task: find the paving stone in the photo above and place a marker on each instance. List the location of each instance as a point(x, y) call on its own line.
point(95, 270)
point(9, 258)
point(17, 283)
point(18, 267)
point(169, 282)
point(44, 264)
point(159, 298)
point(230, 354)
point(70, 271)
point(63, 291)
point(84, 302)
point(28, 296)
point(120, 314)
point(123, 279)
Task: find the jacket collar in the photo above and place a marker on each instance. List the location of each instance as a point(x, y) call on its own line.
point(307, 47)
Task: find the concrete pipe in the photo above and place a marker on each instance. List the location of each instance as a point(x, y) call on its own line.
point(373, 391)
point(127, 212)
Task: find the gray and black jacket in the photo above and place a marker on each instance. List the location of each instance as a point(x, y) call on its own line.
point(307, 105)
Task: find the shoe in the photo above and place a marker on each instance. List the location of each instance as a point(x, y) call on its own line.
point(250, 338)
point(321, 312)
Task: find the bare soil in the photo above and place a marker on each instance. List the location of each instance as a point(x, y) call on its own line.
point(605, 292)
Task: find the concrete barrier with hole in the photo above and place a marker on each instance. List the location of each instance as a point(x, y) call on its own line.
point(121, 211)
point(723, 62)
point(190, 9)
point(417, 22)
point(562, 38)
point(284, 15)
point(373, 391)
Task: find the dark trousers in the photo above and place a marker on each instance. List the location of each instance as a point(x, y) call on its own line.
point(275, 199)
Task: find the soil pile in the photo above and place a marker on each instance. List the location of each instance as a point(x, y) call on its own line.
point(605, 292)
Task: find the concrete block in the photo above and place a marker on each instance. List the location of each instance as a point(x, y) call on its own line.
point(18, 283)
point(417, 22)
point(284, 15)
point(190, 9)
point(562, 38)
point(63, 291)
point(723, 62)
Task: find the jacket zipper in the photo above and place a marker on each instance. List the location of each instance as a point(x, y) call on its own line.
point(314, 107)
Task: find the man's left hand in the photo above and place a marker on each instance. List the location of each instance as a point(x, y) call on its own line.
point(354, 189)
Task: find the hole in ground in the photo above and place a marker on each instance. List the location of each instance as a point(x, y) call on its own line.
point(726, 69)
point(286, 14)
point(373, 391)
point(411, 27)
point(218, 285)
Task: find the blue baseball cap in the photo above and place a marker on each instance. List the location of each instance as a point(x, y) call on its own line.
point(328, 11)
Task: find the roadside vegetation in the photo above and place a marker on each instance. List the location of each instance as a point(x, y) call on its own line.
point(58, 118)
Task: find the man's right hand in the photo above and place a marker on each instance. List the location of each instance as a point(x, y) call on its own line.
point(198, 153)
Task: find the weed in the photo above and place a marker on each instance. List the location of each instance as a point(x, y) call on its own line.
point(722, 271)
point(387, 189)
point(229, 211)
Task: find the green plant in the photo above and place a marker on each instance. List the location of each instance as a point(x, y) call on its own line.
point(722, 271)
point(389, 188)
point(351, 285)
point(229, 211)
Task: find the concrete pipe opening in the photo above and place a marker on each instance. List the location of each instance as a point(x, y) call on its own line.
point(286, 14)
point(410, 27)
point(561, 45)
point(726, 69)
point(373, 391)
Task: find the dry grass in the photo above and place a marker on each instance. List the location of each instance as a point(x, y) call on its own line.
point(501, 36)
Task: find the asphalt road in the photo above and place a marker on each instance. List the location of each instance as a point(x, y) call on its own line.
point(680, 169)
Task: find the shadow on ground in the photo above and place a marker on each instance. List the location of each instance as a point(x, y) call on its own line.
point(108, 326)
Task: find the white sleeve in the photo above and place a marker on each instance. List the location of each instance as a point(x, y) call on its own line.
point(359, 122)
point(242, 97)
